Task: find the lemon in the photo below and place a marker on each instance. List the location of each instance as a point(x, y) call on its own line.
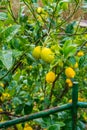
point(76, 65)
point(37, 52)
point(47, 55)
point(69, 72)
point(69, 82)
point(1, 110)
point(27, 127)
point(39, 10)
point(2, 85)
point(79, 99)
point(19, 127)
point(85, 116)
point(86, 44)
point(5, 96)
point(50, 77)
point(30, 67)
point(80, 53)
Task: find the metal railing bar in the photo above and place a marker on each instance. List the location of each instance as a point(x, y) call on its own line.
point(36, 115)
point(74, 105)
point(82, 104)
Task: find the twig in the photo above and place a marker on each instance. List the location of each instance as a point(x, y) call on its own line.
point(8, 113)
point(53, 85)
point(53, 15)
point(11, 12)
point(63, 92)
point(75, 9)
point(81, 47)
point(31, 9)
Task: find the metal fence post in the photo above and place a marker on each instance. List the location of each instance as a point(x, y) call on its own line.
point(74, 105)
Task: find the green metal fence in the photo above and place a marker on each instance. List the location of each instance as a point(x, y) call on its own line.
point(72, 106)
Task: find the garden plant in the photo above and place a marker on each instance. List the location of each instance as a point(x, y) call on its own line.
point(43, 64)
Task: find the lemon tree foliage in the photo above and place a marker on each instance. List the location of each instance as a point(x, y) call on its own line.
point(43, 50)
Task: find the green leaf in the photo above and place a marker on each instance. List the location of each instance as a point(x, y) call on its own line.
point(69, 49)
point(16, 101)
point(16, 53)
point(19, 109)
point(54, 127)
point(81, 125)
point(3, 16)
point(10, 32)
point(28, 108)
point(83, 61)
point(70, 27)
point(6, 58)
point(72, 60)
point(1, 90)
point(41, 122)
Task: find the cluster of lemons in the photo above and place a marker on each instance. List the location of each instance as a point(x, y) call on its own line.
point(48, 56)
point(42, 14)
point(70, 73)
point(5, 96)
point(44, 53)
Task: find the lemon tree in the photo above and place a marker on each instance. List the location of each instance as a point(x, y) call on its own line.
point(43, 51)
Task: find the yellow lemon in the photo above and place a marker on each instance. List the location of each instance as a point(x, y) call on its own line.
point(69, 72)
point(27, 127)
point(50, 77)
point(47, 55)
point(79, 99)
point(1, 110)
point(5, 96)
point(80, 53)
point(76, 65)
point(30, 67)
point(37, 52)
point(86, 44)
point(2, 85)
point(39, 10)
point(85, 116)
point(69, 82)
point(70, 101)
point(19, 127)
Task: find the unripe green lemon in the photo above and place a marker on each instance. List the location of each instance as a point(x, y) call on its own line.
point(47, 55)
point(37, 52)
